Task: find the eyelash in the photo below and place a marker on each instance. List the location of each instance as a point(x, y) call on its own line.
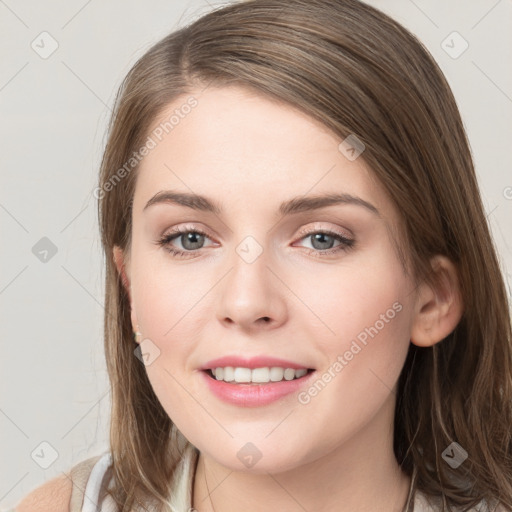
point(164, 241)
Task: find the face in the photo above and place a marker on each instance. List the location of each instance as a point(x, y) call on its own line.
point(321, 288)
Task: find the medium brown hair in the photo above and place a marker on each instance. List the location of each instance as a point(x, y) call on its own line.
point(359, 72)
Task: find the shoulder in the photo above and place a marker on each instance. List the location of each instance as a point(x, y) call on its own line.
point(64, 493)
point(53, 495)
point(429, 503)
point(498, 508)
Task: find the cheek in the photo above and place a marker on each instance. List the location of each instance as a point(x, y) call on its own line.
point(361, 324)
point(169, 311)
point(166, 296)
point(363, 299)
point(362, 359)
point(173, 308)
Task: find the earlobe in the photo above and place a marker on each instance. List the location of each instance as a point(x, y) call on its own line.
point(438, 309)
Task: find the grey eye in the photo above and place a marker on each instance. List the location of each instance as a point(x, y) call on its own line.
point(319, 241)
point(191, 240)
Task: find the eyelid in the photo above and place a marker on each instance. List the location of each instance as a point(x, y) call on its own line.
point(318, 226)
point(308, 230)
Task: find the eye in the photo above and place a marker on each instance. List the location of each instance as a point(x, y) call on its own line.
point(190, 239)
point(322, 242)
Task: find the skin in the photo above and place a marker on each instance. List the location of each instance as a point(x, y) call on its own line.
point(250, 153)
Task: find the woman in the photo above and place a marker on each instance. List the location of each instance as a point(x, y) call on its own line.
point(369, 369)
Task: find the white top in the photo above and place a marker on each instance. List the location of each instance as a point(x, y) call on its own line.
point(94, 486)
point(181, 494)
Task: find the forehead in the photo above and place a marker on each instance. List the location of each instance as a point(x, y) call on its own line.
point(247, 150)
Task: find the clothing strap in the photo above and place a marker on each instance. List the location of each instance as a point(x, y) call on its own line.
point(80, 474)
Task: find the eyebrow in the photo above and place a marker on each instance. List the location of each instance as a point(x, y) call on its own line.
point(295, 205)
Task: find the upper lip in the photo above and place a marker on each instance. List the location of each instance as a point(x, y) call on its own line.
point(252, 362)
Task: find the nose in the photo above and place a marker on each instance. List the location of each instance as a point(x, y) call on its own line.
point(251, 296)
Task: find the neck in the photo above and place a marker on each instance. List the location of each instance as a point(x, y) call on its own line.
point(359, 475)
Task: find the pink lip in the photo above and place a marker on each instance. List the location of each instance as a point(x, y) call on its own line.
point(254, 395)
point(252, 362)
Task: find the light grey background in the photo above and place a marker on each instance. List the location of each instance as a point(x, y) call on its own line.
point(54, 112)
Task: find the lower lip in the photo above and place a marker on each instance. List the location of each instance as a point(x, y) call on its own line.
point(254, 395)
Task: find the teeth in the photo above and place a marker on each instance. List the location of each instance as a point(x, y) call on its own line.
point(257, 375)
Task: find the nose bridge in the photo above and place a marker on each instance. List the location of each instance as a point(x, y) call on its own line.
point(250, 290)
point(250, 250)
point(249, 276)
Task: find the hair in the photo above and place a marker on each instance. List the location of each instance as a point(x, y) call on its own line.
point(358, 72)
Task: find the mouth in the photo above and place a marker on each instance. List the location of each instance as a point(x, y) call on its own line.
point(255, 387)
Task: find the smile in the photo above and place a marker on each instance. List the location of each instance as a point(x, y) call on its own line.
point(247, 393)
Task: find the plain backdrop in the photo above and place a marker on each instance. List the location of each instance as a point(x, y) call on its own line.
point(55, 399)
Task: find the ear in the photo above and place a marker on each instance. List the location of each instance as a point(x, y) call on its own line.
point(123, 269)
point(438, 310)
